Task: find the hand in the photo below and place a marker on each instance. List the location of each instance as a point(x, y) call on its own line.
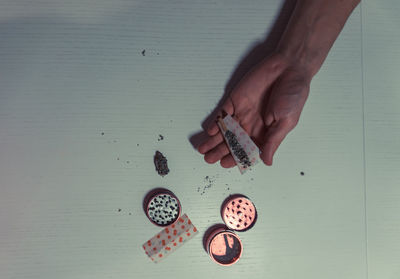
point(267, 103)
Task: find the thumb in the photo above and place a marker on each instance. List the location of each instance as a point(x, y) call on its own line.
point(273, 137)
point(269, 119)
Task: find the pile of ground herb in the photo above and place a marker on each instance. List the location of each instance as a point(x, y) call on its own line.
point(237, 149)
point(209, 182)
point(161, 163)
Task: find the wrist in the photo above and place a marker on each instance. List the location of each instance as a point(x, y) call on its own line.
point(301, 58)
point(312, 30)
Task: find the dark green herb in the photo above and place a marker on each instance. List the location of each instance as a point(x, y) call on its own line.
point(237, 149)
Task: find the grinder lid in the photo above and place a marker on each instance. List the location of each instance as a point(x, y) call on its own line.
point(239, 213)
point(162, 207)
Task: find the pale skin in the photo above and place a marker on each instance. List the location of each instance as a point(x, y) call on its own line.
point(268, 101)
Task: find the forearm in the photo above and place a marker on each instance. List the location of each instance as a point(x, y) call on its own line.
point(312, 30)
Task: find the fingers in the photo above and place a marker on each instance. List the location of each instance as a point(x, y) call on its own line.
point(215, 149)
point(217, 153)
point(213, 128)
point(228, 162)
point(272, 139)
point(211, 143)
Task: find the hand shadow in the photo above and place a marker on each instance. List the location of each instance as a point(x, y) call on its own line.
point(257, 52)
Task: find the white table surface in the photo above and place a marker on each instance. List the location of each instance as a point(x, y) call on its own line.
point(72, 70)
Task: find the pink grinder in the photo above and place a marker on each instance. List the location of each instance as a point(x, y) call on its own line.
point(223, 245)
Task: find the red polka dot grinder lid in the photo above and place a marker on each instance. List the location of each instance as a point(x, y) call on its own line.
point(239, 213)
